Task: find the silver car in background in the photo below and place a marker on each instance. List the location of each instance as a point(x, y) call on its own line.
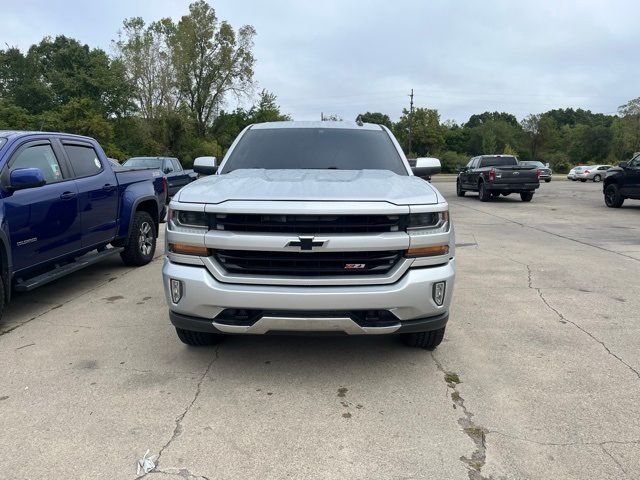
point(595, 173)
point(545, 171)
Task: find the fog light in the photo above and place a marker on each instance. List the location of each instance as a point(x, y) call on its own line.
point(438, 293)
point(176, 290)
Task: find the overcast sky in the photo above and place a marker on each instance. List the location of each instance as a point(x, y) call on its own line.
point(344, 57)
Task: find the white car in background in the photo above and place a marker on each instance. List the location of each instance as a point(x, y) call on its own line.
point(575, 171)
point(596, 173)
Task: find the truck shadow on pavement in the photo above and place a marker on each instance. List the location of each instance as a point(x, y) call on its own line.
point(26, 306)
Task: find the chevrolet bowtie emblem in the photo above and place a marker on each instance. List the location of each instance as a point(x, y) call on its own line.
point(306, 243)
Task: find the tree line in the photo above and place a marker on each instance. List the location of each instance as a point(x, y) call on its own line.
point(561, 137)
point(164, 88)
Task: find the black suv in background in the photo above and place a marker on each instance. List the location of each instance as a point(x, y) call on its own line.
point(622, 182)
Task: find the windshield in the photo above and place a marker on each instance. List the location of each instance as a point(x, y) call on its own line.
point(535, 164)
point(498, 161)
point(144, 162)
point(315, 148)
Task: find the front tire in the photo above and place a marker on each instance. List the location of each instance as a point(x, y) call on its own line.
point(427, 340)
point(141, 244)
point(197, 339)
point(483, 192)
point(526, 196)
point(459, 191)
point(597, 178)
point(612, 196)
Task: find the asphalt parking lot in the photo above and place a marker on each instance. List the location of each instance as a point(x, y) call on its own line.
point(538, 376)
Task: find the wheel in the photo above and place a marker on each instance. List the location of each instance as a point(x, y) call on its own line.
point(141, 244)
point(459, 191)
point(483, 192)
point(197, 339)
point(597, 178)
point(547, 180)
point(428, 340)
point(612, 196)
point(526, 196)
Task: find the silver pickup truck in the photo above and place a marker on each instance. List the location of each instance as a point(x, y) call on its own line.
point(310, 227)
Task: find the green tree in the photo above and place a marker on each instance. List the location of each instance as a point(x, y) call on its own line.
point(427, 134)
point(376, 117)
point(144, 53)
point(267, 109)
point(482, 118)
point(66, 70)
point(210, 61)
point(626, 130)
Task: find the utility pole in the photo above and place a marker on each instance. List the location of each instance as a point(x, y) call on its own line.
point(410, 121)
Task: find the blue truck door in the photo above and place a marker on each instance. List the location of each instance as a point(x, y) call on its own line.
point(181, 177)
point(97, 193)
point(44, 222)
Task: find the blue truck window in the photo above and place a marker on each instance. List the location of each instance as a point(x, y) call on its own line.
point(84, 160)
point(42, 157)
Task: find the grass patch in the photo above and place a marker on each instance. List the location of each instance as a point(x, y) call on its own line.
point(474, 431)
point(451, 377)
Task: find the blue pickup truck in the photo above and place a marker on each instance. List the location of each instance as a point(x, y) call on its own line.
point(177, 177)
point(64, 207)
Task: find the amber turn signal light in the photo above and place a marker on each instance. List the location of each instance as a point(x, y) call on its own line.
point(186, 249)
point(431, 251)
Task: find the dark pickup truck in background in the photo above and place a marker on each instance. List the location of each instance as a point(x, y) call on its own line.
point(65, 206)
point(622, 182)
point(177, 177)
point(494, 175)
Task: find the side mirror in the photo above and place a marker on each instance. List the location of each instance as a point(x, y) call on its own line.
point(623, 164)
point(461, 169)
point(205, 165)
point(22, 178)
point(546, 165)
point(426, 167)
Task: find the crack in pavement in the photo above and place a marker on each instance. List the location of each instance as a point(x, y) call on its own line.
point(182, 472)
point(178, 425)
point(475, 432)
point(564, 444)
point(575, 324)
point(614, 460)
point(538, 229)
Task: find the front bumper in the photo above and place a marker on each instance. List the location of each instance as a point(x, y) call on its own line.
point(308, 308)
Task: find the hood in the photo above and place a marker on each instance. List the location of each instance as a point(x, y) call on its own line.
point(310, 185)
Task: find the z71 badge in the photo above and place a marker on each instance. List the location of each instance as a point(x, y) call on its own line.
point(355, 266)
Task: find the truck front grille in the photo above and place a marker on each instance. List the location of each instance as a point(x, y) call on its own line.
point(307, 263)
point(317, 224)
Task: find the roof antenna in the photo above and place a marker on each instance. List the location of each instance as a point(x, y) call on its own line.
point(359, 120)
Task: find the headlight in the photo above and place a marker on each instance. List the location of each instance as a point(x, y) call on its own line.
point(188, 219)
point(429, 222)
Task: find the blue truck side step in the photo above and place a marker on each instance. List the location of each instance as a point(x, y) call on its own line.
point(61, 271)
